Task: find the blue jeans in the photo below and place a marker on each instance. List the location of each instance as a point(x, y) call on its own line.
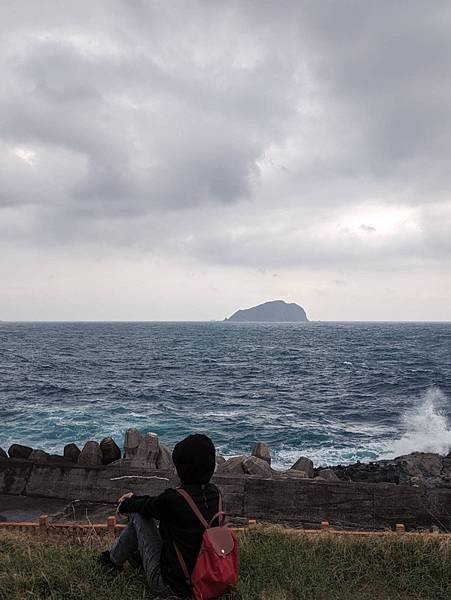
point(142, 535)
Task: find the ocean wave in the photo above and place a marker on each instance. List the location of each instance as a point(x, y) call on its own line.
point(427, 427)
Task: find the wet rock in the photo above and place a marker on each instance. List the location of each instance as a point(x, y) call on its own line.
point(220, 459)
point(19, 451)
point(131, 442)
point(261, 450)
point(257, 466)
point(71, 452)
point(91, 454)
point(304, 464)
point(164, 458)
point(327, 475)
point(375, 472)
point(232, 466)
point(110, 451)
point(3, 453)
point(421, 464)
point(39, 456)
point(147, 452)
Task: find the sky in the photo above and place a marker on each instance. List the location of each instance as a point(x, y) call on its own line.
point(181, 160)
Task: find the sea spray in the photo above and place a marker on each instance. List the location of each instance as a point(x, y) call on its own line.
point(427, 427)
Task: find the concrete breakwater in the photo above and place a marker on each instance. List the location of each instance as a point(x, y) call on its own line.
point(417, 494)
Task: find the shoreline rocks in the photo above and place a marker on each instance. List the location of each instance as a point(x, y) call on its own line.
point(19, 451)
point(147, 452)
point(72, 452)
point(110, 450)
point(304, 464)
point(91, 454)
point(261, 450)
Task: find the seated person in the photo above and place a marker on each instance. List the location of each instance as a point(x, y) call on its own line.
point(195, 460)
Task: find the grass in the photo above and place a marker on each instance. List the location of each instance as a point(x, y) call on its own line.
point(274, 566)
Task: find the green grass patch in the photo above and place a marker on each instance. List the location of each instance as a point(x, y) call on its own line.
point(274, 566)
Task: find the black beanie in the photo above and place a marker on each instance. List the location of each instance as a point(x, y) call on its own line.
point(195, 459)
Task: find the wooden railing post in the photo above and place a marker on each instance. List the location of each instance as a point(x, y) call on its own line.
point(111, 525)
point(43, 526)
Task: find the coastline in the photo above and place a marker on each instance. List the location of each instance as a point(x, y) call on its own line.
point(414, 489)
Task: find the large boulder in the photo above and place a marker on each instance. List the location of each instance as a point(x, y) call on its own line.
point(261, 450)
point(132, 440)
point(257, 466)
point(421, 464)
point(110, 450)
point(232, 466)
point(71, 452)
point(3, 453)
point(39, 456)
point(164, 458)
point(327, 475)
point(91, 454)
point(147, 452)
point(304, 464)
point(19, 451)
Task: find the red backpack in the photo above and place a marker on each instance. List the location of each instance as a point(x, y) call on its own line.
point(217, 565)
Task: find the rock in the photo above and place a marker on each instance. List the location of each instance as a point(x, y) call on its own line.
point(110, 451)
point(304, 464)
point(261, 450)
point(3, 453)
point(131, 442)
point(19, 451)
point(220, 459)
point(421, 464)
point(71, 452)
point(164, 458)
point(294, 474)
point(147, 452)
point(257, 466)
point(90, 454)
point(232, 466)
point(376, 472)
point(39, 456)
point(327, 475)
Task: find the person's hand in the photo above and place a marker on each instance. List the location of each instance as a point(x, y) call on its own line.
point(125, 496)
point(121, 499)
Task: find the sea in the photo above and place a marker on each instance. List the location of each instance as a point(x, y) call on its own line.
point(335, 392)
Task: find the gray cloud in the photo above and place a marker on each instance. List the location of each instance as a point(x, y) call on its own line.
point(228, 133)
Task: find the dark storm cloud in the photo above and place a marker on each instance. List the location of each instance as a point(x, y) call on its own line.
point(145, 122)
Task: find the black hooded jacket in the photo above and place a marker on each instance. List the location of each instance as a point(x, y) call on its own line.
point(178, 524)
point(195, 461)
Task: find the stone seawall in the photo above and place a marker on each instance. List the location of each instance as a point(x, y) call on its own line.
point(299, 502)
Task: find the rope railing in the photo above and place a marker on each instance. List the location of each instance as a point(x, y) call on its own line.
point(43, 529)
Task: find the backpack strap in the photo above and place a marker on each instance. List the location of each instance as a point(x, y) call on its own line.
point(219, 515)
point(193, 507)
point(183, 565)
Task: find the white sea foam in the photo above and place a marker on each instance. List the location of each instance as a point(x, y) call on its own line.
point(427, 427)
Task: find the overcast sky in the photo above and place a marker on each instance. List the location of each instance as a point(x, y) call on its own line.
point(181, 160)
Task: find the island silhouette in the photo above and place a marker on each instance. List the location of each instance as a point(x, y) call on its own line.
point(275, 311)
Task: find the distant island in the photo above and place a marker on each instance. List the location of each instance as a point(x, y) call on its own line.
point(276, 311)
